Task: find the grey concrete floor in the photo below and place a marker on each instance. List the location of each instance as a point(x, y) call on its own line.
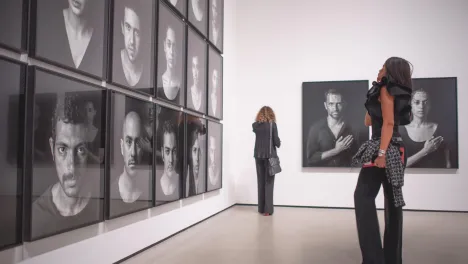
point(304, 235)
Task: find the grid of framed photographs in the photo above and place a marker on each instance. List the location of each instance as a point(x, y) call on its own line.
point(78, 153)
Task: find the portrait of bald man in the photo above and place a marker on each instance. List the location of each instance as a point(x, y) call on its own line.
point(216, 10)
point(215, 84)
point(171, 47)
point(132, 59)
point(198, 14)
point(131, 173)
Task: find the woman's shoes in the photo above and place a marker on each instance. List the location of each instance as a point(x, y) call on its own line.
point(266, 214)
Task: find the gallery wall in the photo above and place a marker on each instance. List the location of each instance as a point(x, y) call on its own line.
point(129, 233)
point(281, 44)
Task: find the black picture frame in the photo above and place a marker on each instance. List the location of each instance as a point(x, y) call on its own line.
point(122, 49)
point(215, 62)
point(85, 104)
point(198, 21)
point(195, 132)
point(216, 11)
point(15, 14)
point(434, 114)
point(169, 155)
point(171, 31)
point(131, 155)
point(13, 79)
point(180, 7)
point(197, 54)
point(345, 99)
point(48, 23)
point(214, 176)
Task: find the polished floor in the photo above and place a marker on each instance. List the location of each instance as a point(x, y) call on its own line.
point(303, 235)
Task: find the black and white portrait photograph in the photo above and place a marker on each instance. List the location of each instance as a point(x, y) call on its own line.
point(170, 156)
point(215, 84)
point(198, 14)
point(431, 139)
point(13, 36)
point(216, 23)
point(72, 33)
point(332, 122)
point(132, 49)
point(196, 73)
point(180, 5)
point(12, 87)
point(131, 168)
point(68, 163)
point(171, 57)
point(195, 174)
point(215, 156)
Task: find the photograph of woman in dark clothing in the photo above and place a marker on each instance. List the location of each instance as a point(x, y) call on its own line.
point(383, 162)
point(266, 143)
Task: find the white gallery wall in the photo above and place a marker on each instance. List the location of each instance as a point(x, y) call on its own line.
point(113, 240)
point(281, 44)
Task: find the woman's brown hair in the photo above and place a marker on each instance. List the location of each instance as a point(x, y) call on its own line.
point(265, 114)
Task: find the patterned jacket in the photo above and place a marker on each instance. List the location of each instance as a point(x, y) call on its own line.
point(395, 168)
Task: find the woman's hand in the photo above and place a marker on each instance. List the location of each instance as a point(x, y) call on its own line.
point(380, 161)
point(432, 145)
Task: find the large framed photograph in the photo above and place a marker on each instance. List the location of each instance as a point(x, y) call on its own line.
point(68, 140)
point(332, 122)
point(215, 84)
point(12, 105)
point(131, 148)
point(179, 5)
point(133, 32)
point(195, 168)
point(14, 21)
point(196, 73)
point(216, 24)
point(171, 57)
point(71, 34)
point(169, 155)
point(215, 156)
point(198, 15)
point(431, 139)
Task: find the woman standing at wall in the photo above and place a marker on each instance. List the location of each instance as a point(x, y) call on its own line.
point(266, 142)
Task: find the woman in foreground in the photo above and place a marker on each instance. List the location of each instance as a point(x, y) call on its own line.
point(266, 143)
point(383, 162)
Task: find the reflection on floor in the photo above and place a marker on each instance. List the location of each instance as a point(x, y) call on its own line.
point(303, 235)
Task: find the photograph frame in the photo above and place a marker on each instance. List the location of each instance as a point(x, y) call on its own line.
point(365, 83)
point(24, 30)
point(152, 72)
point(21, 155)
point(109, 155)
point(29, 160)
point(193, 25)
point(184, 57)
point(221, 151)
point(219, 48)
point(32, 43)
point(208, 101)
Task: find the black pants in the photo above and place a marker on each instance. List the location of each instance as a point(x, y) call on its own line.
point(265, 185)
point(367, 188)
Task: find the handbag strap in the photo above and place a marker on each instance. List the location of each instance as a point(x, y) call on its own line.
point(271, 131)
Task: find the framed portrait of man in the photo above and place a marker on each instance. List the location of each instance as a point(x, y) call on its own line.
point(12, 106)
point(171, 57)
point(170, 154)
point(195, 168)
point(216, 24)
point(68, 163)
point(196, 73)
point(133, 35)
point(215, 84)
point(198, 15)
point(431, 138)
point(71, 34)
point(332, 122)
point(131, 148)
point(215, 156)
point(14, 13)
point(179, 5)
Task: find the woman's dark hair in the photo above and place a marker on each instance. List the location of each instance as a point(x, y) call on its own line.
point(399, 71)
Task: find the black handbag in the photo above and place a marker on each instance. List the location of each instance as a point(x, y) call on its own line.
point(273, 162)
